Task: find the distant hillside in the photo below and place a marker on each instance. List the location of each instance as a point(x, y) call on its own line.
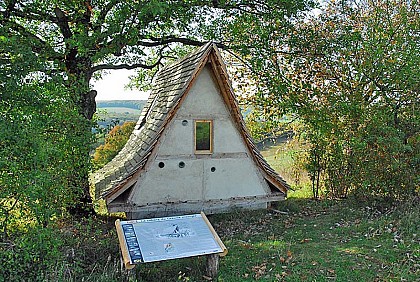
point(131, 104)
point(118, 111)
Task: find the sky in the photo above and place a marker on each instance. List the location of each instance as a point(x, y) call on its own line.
point(111, 87)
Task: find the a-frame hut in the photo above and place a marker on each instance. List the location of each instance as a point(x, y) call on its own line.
point(190, 150)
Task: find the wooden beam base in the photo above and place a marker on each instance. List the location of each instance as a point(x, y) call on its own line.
point(212, 265)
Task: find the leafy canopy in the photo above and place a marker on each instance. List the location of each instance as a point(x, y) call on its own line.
point(114, 142)
point(349, 76)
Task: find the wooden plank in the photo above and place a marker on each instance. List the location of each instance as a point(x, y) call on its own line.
point(117, 192)
point(209, 206)
point(215, 235)
point(212, 265)
point(124, 251)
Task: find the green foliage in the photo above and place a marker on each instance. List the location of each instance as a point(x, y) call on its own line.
point(362, 104)
point(30, 254)
point(39, 150)
point(349, 76)
point(66, 251)
point(114, 142)
point(42, 141)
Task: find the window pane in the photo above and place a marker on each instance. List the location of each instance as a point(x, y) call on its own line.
point(203, 136)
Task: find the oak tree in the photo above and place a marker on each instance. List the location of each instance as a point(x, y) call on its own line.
point(77, 39)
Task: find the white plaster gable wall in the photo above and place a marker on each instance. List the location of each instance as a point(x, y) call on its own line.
point(235, 174)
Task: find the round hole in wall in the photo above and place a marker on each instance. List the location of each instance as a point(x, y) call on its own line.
point(181, 164)
point(184, 122)
point(161, 164)
point(213, 169)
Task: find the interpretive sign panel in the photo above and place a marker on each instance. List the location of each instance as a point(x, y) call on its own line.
point(164, 238)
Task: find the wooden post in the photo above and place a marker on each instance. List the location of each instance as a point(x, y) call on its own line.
point(212, 265)
point(127, 272)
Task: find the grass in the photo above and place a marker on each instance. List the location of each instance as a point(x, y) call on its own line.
point(319, 241)
point(315, 241)
point(282, 158)
point(325, 240)
point(301, 240)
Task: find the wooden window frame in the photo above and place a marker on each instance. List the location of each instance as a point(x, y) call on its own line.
point(203, 152)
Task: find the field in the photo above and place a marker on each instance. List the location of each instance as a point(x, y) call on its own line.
point(122, 110)
point(110, 113)
point(299, 240)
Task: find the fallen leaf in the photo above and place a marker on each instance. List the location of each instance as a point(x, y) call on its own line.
point(331, 271)
point(259, 270)
point(282, 259)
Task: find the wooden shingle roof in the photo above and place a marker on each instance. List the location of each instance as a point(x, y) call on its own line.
point(170, 86)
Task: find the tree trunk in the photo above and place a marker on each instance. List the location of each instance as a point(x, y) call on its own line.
point(79, 71)
point(83, 205)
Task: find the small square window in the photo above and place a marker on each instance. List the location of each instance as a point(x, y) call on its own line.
point(203, 136)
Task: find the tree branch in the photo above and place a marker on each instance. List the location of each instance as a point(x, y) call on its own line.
point(28, 14)
point(156, 41)
point(10, 6)
point(63, 23)
point(103, 13)
point(37, 44)
point(125, 66)
point(133, 66)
